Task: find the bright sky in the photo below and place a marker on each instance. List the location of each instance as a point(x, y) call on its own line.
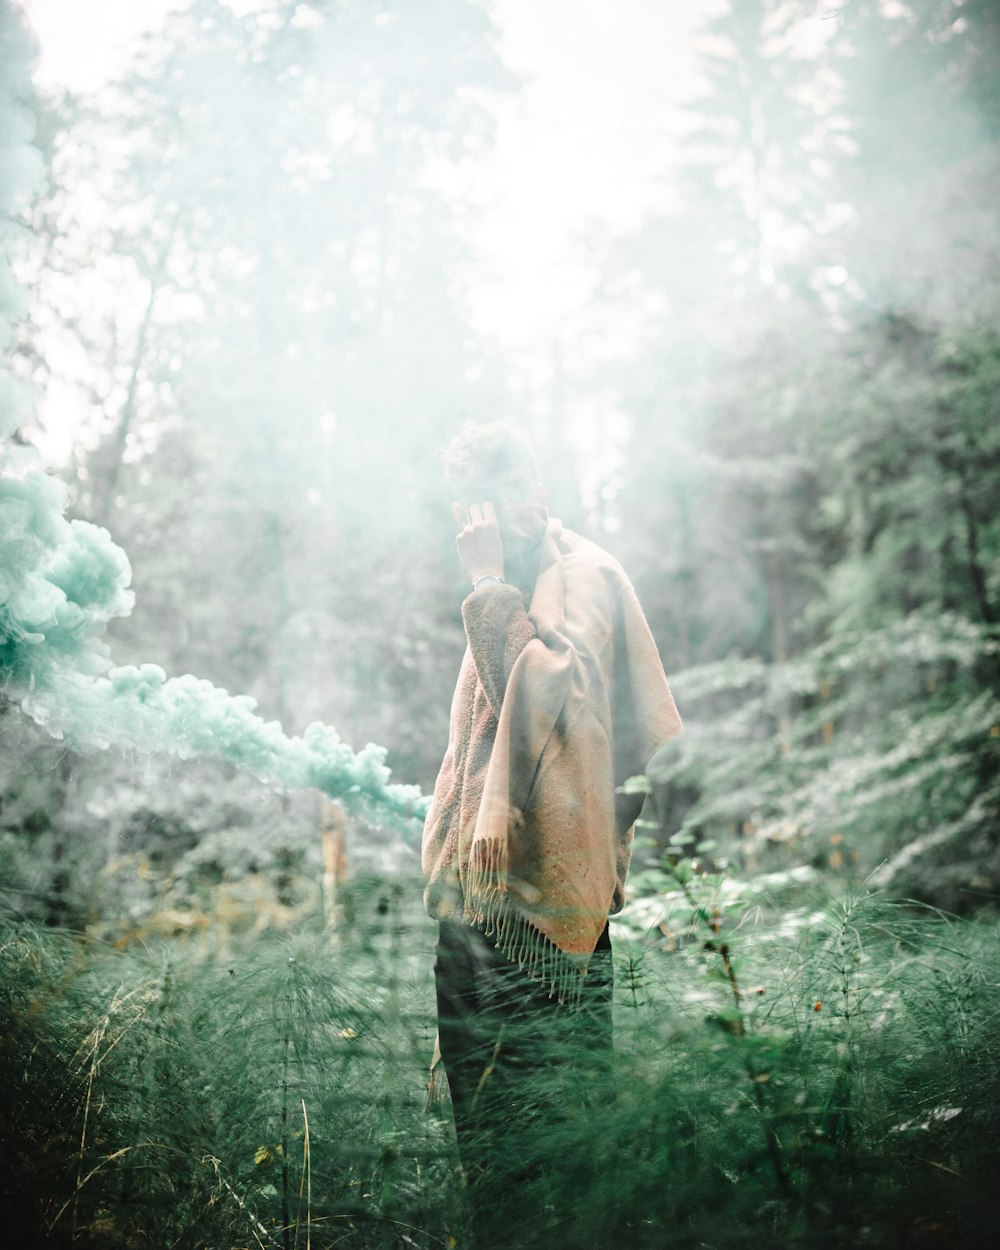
point(79, 53)
point(586, 143)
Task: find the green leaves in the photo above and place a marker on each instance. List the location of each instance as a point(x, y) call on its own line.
point(744, 1101)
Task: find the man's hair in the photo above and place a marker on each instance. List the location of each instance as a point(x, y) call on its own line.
point(488, 451)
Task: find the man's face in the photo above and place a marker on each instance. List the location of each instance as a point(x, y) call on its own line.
point(520, 507)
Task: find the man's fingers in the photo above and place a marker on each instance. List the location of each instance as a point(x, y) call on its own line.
point(477, 516)
point(482, 514)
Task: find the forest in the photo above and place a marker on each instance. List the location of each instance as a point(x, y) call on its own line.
point(250, 287)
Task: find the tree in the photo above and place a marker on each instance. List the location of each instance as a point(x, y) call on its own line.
point(816, 502)
point(285, 348)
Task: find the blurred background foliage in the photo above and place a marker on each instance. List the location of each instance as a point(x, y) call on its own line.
point(250, 273)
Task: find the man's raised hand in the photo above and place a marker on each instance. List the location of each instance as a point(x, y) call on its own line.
point(480, 547)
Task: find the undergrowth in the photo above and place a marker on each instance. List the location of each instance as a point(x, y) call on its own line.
point(819, 1075)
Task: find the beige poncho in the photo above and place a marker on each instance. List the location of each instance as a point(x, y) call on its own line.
point(554, 708)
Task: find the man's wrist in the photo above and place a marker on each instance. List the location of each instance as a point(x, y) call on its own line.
point(487, 577)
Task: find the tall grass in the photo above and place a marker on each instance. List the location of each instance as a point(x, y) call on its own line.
point(824, 1076)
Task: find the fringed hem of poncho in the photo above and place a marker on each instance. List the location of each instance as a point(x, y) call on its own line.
point(490, 907)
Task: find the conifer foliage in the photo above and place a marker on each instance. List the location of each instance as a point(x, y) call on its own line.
point(825, 1076)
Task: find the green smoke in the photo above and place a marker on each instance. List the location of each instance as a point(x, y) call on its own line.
point(62, 581)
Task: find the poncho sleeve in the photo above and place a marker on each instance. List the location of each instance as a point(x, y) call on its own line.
point(498, 629)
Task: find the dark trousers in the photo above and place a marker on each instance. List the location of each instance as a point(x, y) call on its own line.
point(522, 1068)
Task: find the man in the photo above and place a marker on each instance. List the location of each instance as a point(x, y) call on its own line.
point(561, 697)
